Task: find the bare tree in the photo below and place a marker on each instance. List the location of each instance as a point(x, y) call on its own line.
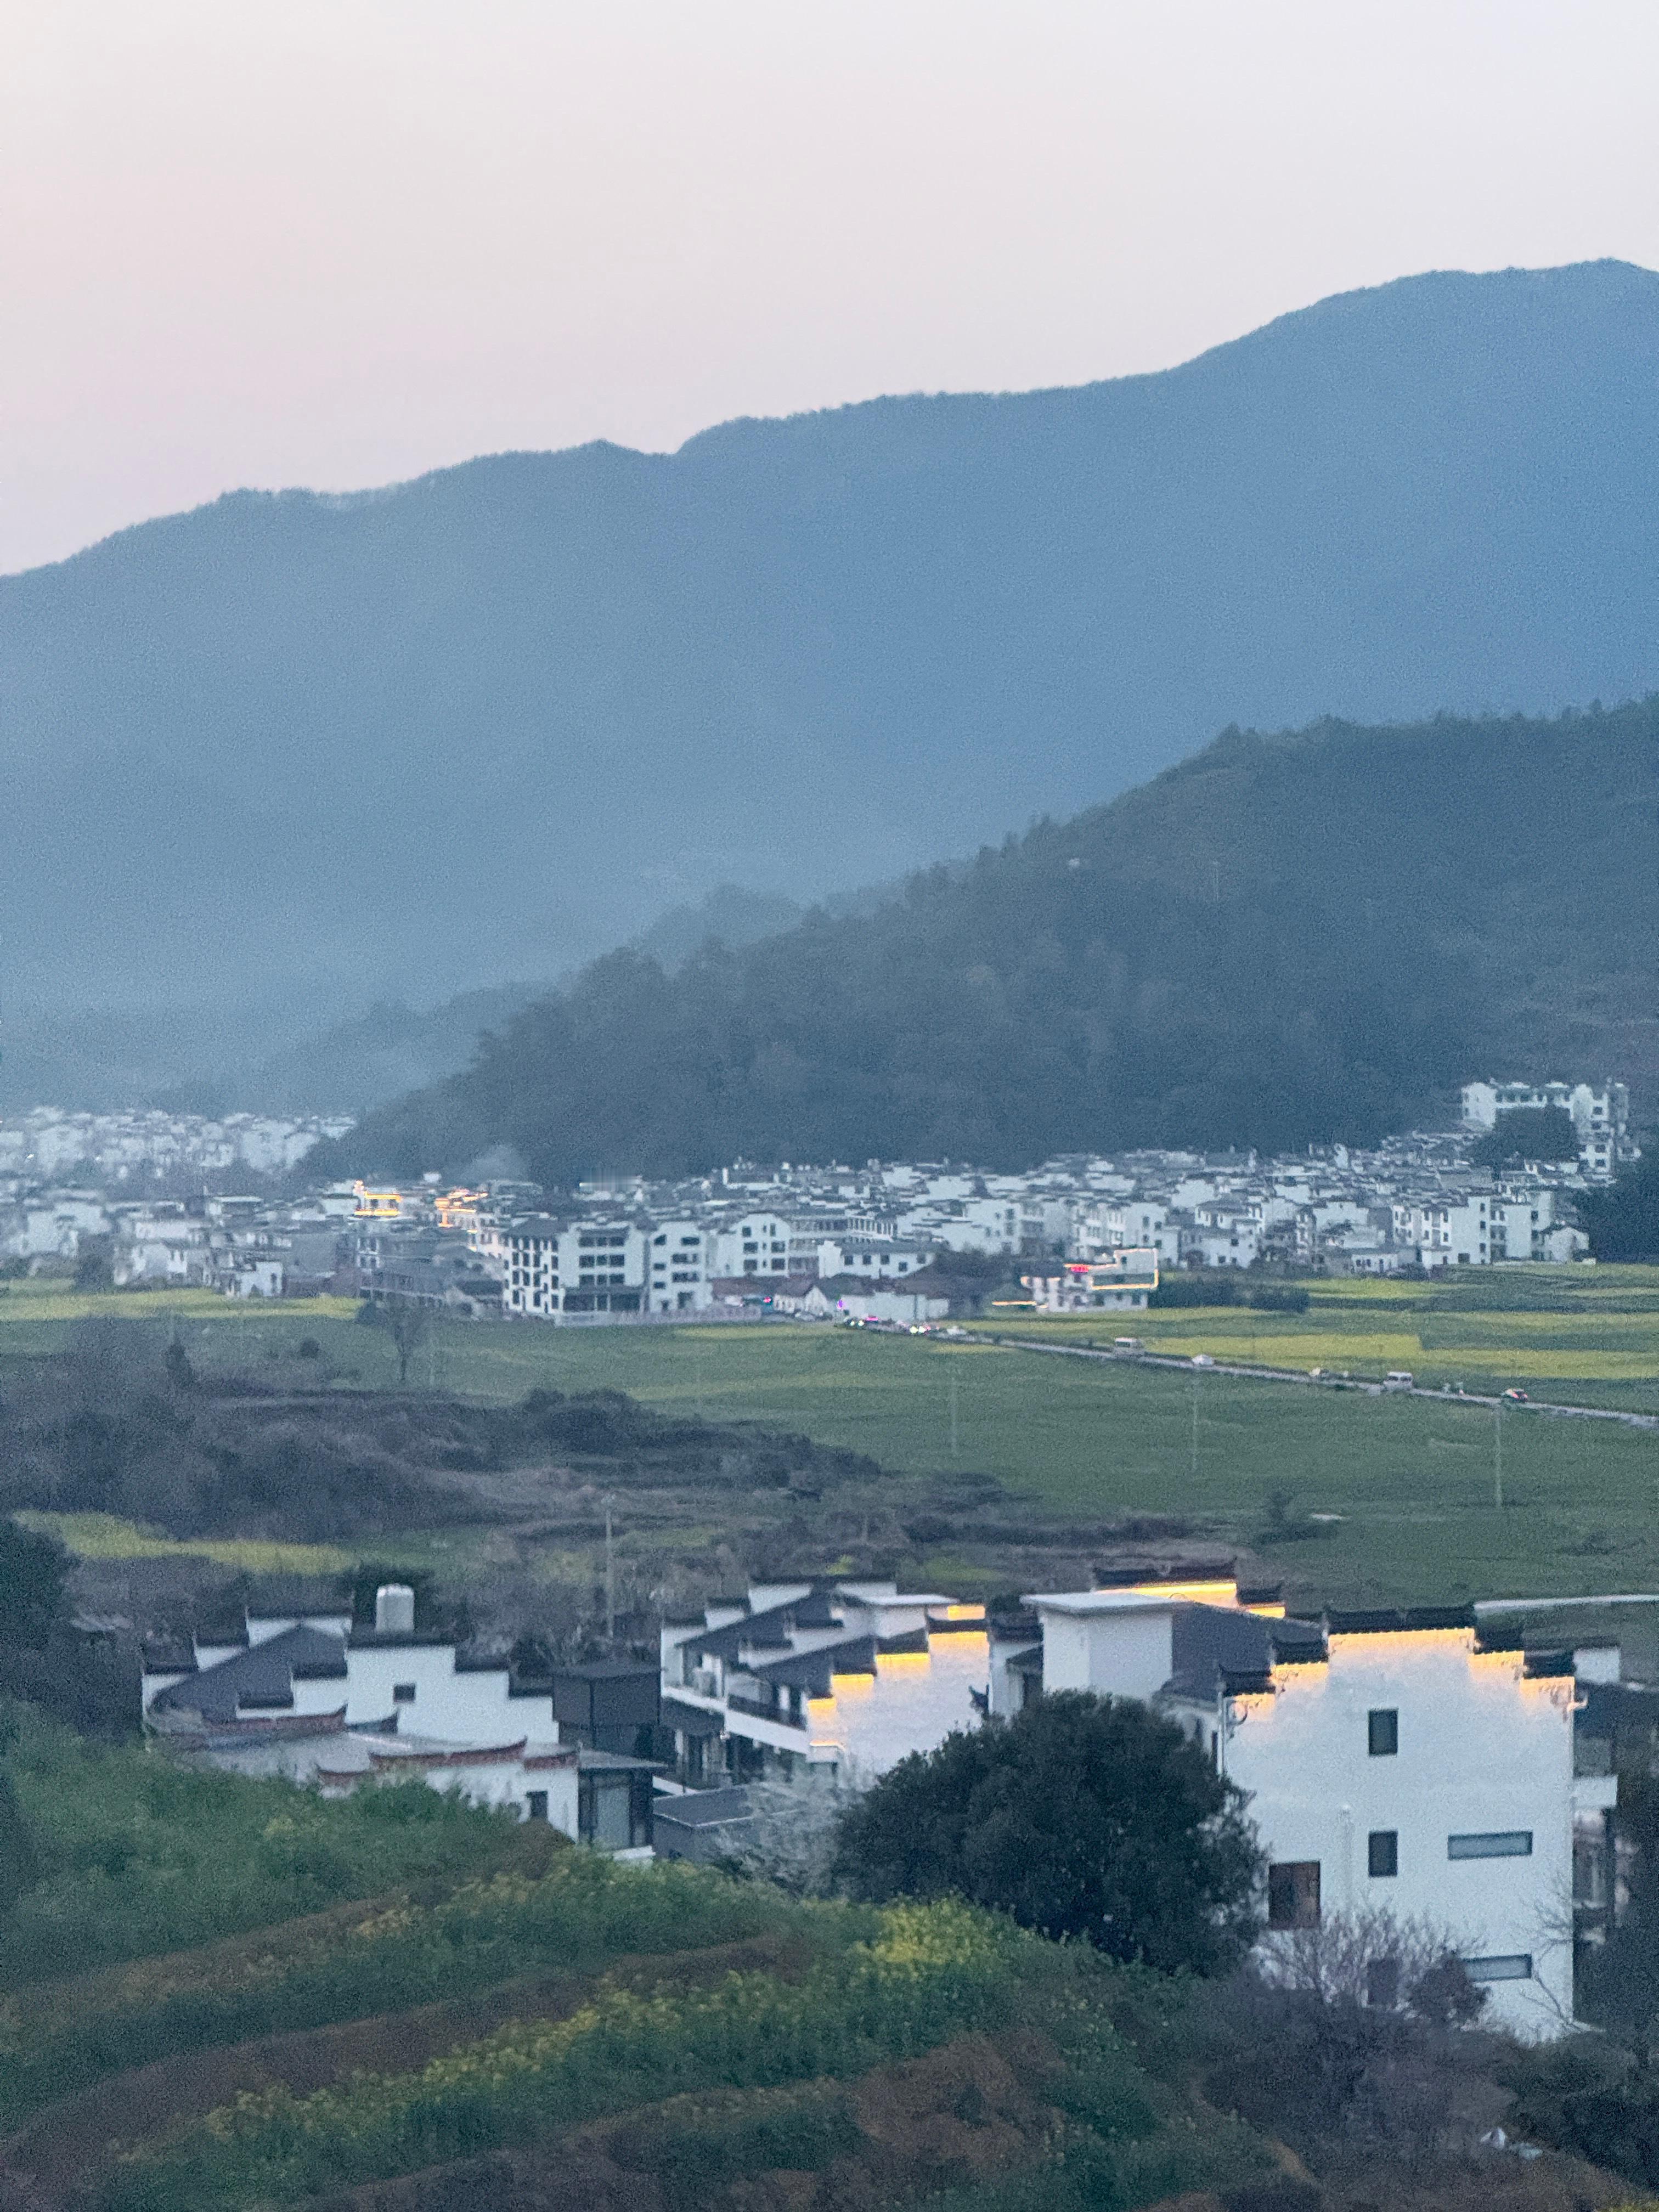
point(791, 1837)
point(408, 1326)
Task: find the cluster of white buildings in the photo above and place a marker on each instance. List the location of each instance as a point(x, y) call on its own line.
point(127, 1149)
point(1088, 1230)
point(1403, 1767)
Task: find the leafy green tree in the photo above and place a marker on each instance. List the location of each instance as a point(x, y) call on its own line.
point(95, 1269)
point(34, 1573)
point(1530, 1132)
point(1082, 1817)
point(1623, 1222)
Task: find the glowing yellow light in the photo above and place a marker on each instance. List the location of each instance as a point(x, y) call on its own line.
point(902, 1662)
point(960, 1613)
point(852, 1685)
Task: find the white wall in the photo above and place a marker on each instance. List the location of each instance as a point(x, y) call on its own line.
point(1482, 1750)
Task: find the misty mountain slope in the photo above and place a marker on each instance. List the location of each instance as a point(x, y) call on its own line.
point(320, 750)
point(1286, 940)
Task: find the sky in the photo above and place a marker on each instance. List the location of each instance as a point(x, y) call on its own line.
point(339, 242)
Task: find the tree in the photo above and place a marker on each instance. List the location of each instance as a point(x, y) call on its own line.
point(94, 1267)
point(791, 1836)
point(404, 1322)
point(1529, 1133)
point(1623, 1222)
point(1082, 1817)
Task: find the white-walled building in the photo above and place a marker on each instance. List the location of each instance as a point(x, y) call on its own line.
point(554, 1270)
point(1389, 1760)
point(317, 1700)
point(847, 1678)
point(679, 1281)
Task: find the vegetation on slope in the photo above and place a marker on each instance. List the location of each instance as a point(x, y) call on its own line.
point(1285, 940)
point(831, 648)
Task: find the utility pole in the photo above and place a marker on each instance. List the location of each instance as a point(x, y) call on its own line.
point(609, 1577)
point(953, 1410)
point(1194, 1424)
point(1497, 1454)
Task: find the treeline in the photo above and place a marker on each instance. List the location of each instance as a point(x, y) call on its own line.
point(1240, 954)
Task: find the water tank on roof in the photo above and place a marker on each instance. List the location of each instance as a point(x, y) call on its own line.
point(394, 1610)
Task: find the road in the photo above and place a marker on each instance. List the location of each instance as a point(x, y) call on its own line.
point(1330, 1382)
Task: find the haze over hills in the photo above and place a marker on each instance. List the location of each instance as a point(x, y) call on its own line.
point(270, 762)
point(1285, 940)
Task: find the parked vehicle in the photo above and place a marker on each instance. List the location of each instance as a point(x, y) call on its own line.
point(1516, 1398)
point(1128, 1347)
point(1203, 1359)
point(1400, 1379)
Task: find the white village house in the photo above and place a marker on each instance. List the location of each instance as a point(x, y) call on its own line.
point(1399, 1761)
point(319, 1700)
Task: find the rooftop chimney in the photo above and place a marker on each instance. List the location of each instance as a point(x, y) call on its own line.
point(394, 1610)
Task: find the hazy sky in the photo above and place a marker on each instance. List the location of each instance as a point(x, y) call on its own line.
point(335, 242)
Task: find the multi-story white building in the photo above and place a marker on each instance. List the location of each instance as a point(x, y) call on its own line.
point(844, 1677)
point(555, 1270)
point(679, 1279)
point(1600, 1118)
point(1389, 1762)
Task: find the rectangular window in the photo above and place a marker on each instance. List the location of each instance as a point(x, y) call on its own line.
point(537, 1802)
point(1508, 1966)
point(1499, 1843)
point(1383, 1984)
point(403, 1693)
point(1382, 1732)
point(1293, 1894)
point(1382, 1852)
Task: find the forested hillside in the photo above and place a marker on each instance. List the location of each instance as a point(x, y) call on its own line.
point(1286, 939)
point(268, 763)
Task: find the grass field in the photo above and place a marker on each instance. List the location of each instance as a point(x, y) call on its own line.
point(1411, 1486)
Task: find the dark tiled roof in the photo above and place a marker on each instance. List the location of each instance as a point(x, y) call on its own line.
point(1385, 1621)
point(811, 1670)
point(760, 1630)
point(705, 1809)
point(1211, 1646)
point(260, 1679)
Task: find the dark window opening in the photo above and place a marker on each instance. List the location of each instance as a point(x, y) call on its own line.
point(403, 1693)
point(536, 1801)
point(1382, 1854)
point(1383, 1984)
point(1382, 1732)
point(1293, 1894)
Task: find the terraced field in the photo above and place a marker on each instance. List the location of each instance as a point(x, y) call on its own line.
point(519, 2021)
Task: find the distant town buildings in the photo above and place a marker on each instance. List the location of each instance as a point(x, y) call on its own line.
point(894, 1241)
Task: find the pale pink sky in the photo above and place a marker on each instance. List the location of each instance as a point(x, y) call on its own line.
point(336, 242)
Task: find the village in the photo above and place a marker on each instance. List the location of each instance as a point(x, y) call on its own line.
point(904, 1242)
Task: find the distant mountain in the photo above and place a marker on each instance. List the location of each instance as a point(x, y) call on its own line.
point(1285, 940)
point(290, 754)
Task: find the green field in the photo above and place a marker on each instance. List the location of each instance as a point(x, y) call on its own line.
point(1412, 1484)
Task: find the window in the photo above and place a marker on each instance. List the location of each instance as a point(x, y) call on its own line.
point(1499, 1843)
point(1382, 1732)
point(537, 1804)
point(1382, 1852)
point(403, 1693)
point(1293, 1894)
point(1383, 1984)
point(1508, 1966)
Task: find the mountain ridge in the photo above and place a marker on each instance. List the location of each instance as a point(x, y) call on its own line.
point(309, 751)
point(1260, 948)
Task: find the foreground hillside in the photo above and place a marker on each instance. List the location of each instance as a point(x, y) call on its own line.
point(397, 1991)
point(801, 655)
point(1285, 940)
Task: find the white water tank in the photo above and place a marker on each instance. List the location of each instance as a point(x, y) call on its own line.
point(394, 1610)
